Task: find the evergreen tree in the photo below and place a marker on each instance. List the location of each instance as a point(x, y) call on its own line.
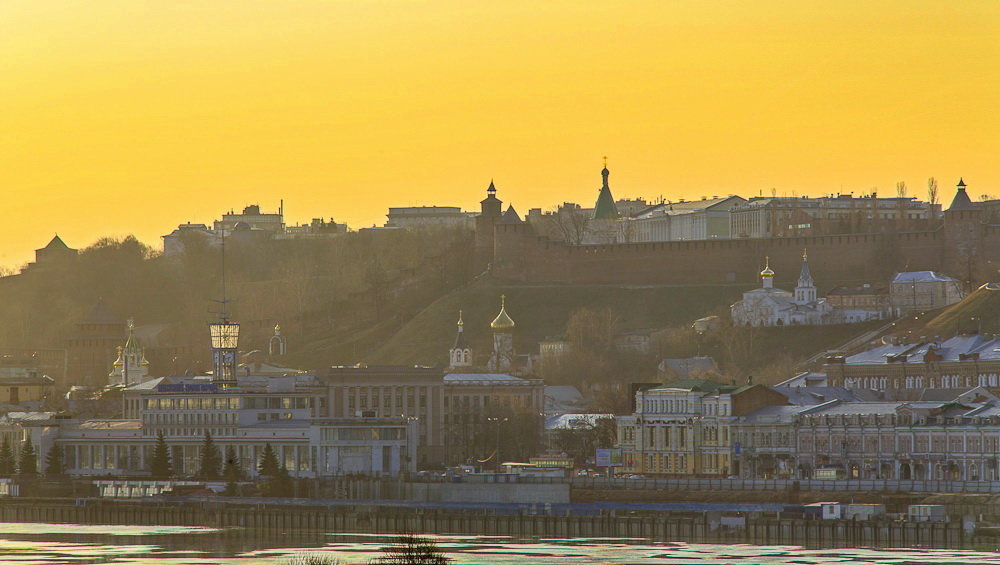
point(160, 466)
point(211, 460)
point(55, 466)
point(7, 462)
point(28, 461)
point(281, 485)
point(277, 480)
point(232, 471)
point(268, 466)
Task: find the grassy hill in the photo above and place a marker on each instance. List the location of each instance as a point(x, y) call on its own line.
point(542, 311)
point(979, 311)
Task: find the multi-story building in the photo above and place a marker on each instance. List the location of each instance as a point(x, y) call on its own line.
point(685, 427)
point(251, 216)
point(964, 361)
point(487, 412)
point(860, 303)
point(707, 218)
point(417, 217)
point(791, 217)
point(411, 392)
point(920, 291)
point(249, 227)
point(919, 440)
point(245, 412)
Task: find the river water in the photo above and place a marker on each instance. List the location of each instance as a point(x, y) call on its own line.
point(30, 544)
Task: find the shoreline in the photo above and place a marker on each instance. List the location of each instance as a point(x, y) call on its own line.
point(305, 518)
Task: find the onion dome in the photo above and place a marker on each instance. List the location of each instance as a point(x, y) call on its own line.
point(502, 321)
point(767, 272)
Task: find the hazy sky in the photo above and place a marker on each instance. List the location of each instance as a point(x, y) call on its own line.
point(133, 116)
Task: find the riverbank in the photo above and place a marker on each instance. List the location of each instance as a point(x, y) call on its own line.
point(303, 516)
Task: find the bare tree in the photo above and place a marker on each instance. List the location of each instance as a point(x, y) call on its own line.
point(932, 194)
point(901, 202)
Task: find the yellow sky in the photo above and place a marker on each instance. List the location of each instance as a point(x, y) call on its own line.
point(132, 116)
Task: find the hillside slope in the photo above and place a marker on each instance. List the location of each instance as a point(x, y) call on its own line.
point(979, 311)
point(541, 311)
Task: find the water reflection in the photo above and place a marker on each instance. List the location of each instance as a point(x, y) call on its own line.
point(29, 544)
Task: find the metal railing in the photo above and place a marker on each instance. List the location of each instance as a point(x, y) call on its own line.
point(855, 485)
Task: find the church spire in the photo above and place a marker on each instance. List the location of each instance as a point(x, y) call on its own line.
point(131, 366)
point(460, 355)
point(605, 209)
point(806, 291)
point(805, 277)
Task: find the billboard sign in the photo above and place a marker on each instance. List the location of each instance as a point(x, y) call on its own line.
point(610, 457)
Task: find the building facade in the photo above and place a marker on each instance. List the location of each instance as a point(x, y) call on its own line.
point(707, 218)
point(790, 217)
point(964, 361)
point(920, 291)
point(685, 428)
point(418, 217)
point(922, 440)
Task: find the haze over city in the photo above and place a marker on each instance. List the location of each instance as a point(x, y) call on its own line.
point(126, 117)
point(439, 282)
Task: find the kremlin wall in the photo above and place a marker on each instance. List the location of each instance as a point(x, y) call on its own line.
point(963, 245)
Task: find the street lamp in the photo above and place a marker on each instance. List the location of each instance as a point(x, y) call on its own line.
point(496, 453)
point(225, 340)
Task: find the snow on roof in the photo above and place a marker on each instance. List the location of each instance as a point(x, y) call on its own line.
point(573, 421)
point(921, 277)
point(481, 377)
point(952, 349)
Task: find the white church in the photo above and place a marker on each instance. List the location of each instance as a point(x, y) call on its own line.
point(769, 306)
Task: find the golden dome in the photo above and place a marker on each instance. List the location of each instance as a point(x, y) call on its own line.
point(767, 272)
point(502, 321)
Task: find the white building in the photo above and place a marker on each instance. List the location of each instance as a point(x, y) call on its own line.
point(769, 306)
point(416, 217)
point(286, 412)
point(707, 218)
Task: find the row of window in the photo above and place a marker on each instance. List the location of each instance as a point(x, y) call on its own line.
point(186, 458)
point(188, 432)
point(200, 403)
point(362, 434)
point(190, 419)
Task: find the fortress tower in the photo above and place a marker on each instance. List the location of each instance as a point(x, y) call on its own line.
point(486, 221)
point(964, 240)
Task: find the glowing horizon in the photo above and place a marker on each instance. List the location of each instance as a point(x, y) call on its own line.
point(125, 117)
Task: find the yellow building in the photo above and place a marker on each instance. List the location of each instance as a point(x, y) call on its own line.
point(685, 427)
point(21, 381)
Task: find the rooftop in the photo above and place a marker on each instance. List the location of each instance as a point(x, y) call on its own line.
point(921, 277)
point(469, 378)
